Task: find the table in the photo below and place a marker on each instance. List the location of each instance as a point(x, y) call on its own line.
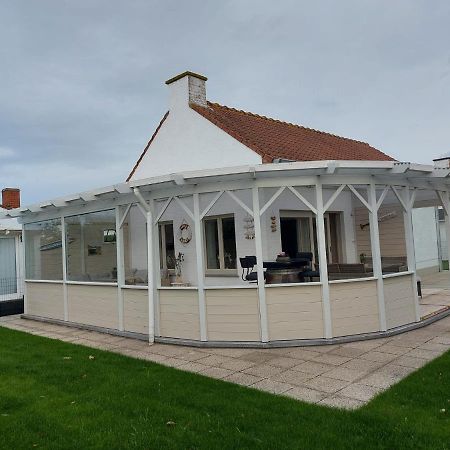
point(284, 271)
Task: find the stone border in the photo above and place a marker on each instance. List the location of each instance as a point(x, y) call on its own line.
point(237, 344)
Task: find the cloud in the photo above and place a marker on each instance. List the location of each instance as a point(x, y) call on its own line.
point(83, 82)
point(6, 152)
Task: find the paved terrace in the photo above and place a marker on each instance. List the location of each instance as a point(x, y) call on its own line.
point(342, 375)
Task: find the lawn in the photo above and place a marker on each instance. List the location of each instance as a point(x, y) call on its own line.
point(111, 401)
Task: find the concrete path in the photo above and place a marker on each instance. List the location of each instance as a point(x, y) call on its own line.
point(342, 375)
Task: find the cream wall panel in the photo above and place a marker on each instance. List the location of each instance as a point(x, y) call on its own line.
point(179, 316)
point(232, 314)
point(135, 310)
point(45, 300)
point(354, 307)
point(392, 232)
point(399, 298)
point(295, 312)
point(93, 305)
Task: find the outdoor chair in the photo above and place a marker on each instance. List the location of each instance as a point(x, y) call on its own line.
point(308, 272)
point(248, 274)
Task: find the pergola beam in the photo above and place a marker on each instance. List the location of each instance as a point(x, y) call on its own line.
point(302, 199)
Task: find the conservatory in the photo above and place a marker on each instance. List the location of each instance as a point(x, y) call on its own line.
point(274, 254)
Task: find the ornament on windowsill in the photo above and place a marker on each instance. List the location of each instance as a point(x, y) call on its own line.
point(273, 223)
point(184, 233)
point(249, 227)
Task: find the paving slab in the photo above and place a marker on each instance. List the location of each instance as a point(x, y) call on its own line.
point(326, 384)
point(305, 394)
point(271, 386)
point(360, 392)
point(338, 401)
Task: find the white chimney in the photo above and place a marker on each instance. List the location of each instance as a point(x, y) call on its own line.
point(442, 161)
point(187, 88)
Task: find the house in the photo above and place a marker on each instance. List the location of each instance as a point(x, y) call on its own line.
point(196, 134)
point(236, 229)
point(11, 260)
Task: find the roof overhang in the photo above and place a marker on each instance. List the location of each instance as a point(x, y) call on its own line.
point(429, 177)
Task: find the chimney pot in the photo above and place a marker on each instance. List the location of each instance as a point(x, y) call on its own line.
point(10, 198)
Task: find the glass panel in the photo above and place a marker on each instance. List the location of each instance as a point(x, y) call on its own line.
point(289, 236)
point(8, 280)
point(170, 245)
point(304, 233)
point(229, 243)
point(89, 257)
point(135, 247)
point(212, 244)
point(43, 252)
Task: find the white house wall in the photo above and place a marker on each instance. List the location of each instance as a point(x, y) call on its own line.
point(187, 141)
point(425, 238)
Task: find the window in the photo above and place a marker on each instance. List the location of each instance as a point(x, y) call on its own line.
point(166, 246)
point(43, 250)
point(91, 247)
point(220, 240)
point(109, 236)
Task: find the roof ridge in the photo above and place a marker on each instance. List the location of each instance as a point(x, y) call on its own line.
point(295, 125)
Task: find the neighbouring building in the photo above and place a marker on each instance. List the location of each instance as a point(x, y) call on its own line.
point(11, 258)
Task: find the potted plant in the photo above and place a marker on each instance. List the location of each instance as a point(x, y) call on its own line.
point(282, 257)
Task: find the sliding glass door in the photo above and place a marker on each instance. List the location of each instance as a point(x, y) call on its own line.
point(298, 234)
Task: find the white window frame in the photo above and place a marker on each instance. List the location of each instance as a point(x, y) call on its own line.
point(162, 244)
point(221, 271)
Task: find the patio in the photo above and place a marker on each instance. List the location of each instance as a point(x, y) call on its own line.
point(345, 375)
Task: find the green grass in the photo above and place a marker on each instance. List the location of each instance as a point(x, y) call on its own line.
point(113, 401)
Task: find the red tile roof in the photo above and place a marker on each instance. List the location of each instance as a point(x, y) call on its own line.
point(273, 139)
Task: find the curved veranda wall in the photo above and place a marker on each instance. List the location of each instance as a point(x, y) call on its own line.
point(97, 268)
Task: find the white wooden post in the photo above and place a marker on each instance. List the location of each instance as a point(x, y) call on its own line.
point(24, 261)
point(410, 252)
point(156, 272)
point(150, 278)
point(120, 268)
point(259, 266)
point(446, 206)
point(376, 253)
point(151, 282)
point(323, 268)
point(64, 268)
point(199, 251)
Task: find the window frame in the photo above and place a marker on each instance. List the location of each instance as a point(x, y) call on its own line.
point(221, 271)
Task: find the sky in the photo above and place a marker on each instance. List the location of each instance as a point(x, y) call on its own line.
point(82, 82)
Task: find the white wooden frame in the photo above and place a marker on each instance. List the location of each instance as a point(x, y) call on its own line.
point(404, 190)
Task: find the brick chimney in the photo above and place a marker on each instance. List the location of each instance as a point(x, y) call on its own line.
point(10, 198)
point(187, 88)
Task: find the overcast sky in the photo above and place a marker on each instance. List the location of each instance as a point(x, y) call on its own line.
point(82, 81)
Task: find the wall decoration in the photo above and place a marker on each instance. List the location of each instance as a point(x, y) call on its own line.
point(383, 218)
point(249, 227)
point(184, 233)
point(273, 223)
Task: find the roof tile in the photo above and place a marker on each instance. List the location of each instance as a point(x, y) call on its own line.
point(273, 139)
